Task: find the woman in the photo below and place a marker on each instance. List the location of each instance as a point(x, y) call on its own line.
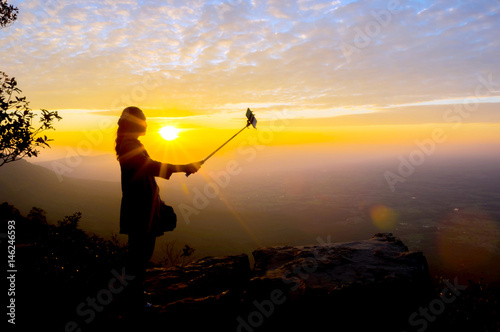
point(139, 197)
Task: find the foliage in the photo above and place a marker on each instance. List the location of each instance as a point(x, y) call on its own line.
point(175, 257)
point(60, 265)
point(28, 229)
point(61, 252)
point(18, 137)
point(8, 14)
point(69, 255)
point(38, 215)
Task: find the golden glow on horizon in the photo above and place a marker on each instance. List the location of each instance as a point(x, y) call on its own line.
point(97, 134)
point(169, 133)
point(389, 134)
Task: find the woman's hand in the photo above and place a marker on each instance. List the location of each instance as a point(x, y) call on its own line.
point(192, 168)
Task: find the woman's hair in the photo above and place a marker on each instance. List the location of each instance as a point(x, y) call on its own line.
point(132, 123)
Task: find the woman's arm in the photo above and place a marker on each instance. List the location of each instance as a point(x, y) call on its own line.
point(133, 156)
point(168, 169)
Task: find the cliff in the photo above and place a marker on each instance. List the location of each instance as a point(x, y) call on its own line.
point(372, 284)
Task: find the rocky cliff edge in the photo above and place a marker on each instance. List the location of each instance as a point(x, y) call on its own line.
point(374, 284)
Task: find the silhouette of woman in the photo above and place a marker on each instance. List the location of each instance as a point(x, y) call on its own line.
point(139, 194)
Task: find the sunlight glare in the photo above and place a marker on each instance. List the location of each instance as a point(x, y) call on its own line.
point(169, 133)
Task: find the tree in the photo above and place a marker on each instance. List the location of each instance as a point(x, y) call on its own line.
point(18, 137)
point(8, 14)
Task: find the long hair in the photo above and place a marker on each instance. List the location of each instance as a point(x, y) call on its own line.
point(132, 123)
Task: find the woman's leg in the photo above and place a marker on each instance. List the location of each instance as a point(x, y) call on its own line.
point(140, 251)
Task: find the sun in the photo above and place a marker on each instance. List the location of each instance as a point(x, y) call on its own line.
point(169, 133)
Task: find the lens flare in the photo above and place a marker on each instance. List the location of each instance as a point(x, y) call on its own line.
point(383, 217)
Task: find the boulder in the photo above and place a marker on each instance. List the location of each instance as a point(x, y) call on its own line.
point(369, 284)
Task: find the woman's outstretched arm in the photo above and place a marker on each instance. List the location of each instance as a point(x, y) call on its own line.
point(134, 157)
point(168, 169)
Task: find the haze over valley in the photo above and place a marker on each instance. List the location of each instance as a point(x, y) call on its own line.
point(448, 208)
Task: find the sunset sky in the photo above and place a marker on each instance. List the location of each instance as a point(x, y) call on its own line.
point(313, 71)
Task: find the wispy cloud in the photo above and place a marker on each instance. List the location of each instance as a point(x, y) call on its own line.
point(309, 55)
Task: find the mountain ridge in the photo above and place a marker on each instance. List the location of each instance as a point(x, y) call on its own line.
point(27, 185)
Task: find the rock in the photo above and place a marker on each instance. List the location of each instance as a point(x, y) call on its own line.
point(372, 284)
point(355, 285)
point(202, 292)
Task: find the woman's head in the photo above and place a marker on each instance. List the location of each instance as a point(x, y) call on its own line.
point(132, 124)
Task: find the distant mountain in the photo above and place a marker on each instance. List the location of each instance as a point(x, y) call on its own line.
point(102, 167)
point(25, 185)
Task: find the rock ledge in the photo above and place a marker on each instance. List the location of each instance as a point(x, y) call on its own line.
point(353, 285)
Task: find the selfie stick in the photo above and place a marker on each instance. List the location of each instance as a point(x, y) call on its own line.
point(251, 120)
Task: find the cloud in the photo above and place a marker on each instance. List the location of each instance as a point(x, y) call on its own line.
point(311, 55)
